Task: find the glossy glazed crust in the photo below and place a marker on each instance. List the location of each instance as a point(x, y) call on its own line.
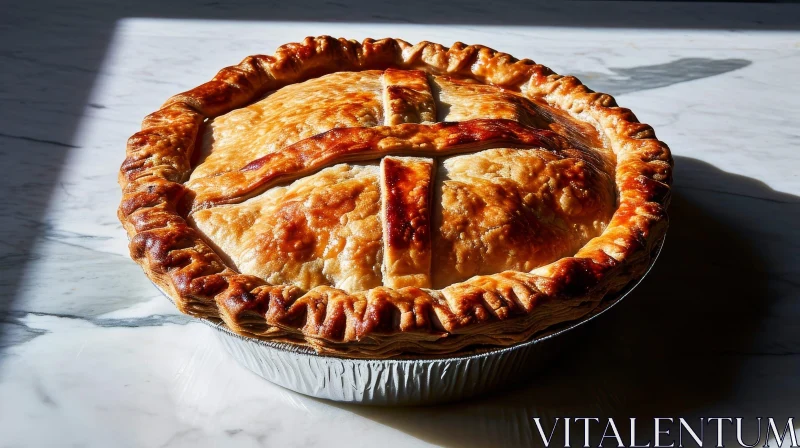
point(499, 309)
point(406, 194)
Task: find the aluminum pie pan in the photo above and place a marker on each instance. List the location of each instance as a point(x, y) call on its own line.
point(392, 382)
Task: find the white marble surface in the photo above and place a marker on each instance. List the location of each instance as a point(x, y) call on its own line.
point(92, 355)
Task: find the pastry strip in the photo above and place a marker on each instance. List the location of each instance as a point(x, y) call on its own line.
point(405, 212)
point(407, 97)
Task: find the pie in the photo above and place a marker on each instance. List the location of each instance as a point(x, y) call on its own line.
point(382, 199)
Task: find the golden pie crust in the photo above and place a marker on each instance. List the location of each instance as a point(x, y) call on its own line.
point(379, 199)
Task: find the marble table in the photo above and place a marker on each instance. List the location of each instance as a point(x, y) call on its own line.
point(92, 355)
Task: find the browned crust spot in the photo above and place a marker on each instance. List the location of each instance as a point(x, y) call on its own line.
point(407, 189)
point(406, 195)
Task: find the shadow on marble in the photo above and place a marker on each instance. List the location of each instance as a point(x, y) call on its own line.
point(47, 76)
point(624, 80)
point(566, 13)
point(710, 308)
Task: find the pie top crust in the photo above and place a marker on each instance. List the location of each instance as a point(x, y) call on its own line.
point(379, 199)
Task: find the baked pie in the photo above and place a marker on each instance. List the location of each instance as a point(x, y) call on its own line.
point(378, 199)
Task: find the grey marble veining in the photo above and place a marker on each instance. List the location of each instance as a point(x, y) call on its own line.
point(92, 355)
